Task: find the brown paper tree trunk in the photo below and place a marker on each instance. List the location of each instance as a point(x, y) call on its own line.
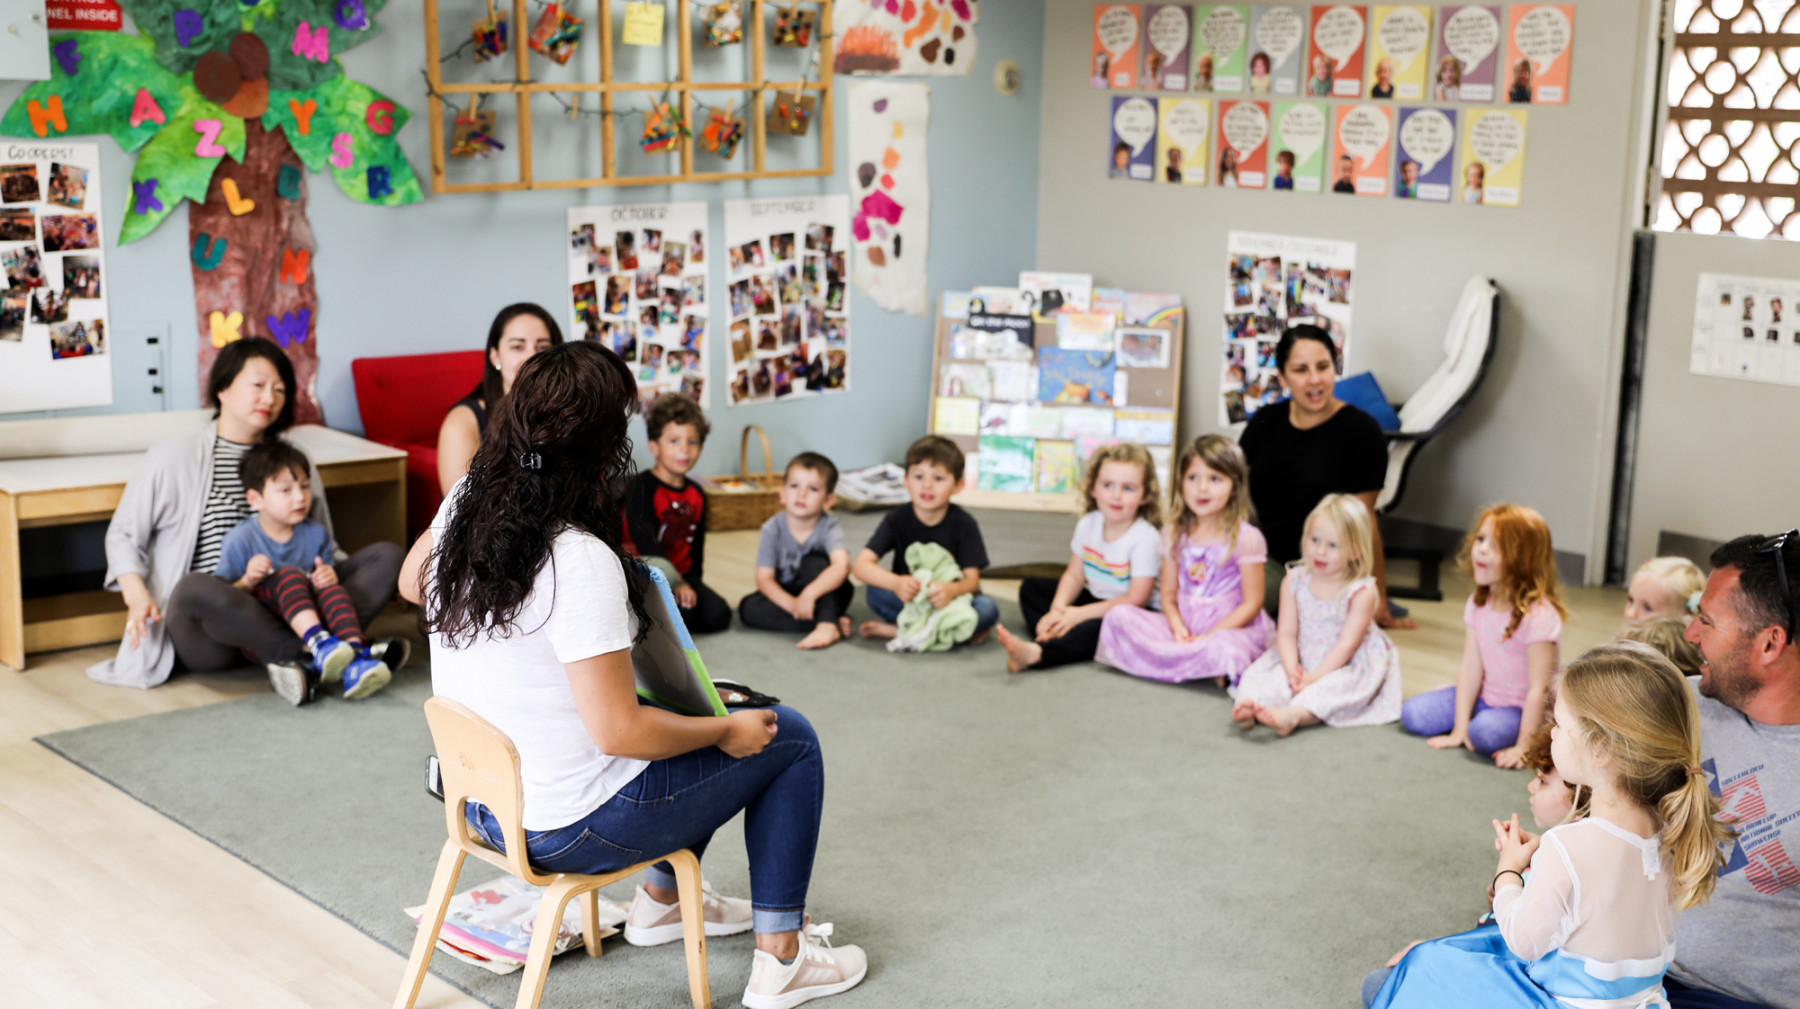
point(248, 279)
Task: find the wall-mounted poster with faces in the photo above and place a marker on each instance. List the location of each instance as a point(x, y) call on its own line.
point(1272, 282)
point(637, 283)
point(787, 285)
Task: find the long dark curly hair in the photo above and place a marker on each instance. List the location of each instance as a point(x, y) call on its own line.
point(554, 457)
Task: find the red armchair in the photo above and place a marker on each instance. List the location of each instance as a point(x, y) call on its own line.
point(403, 401)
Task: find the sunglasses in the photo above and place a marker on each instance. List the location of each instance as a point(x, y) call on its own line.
point(1774, 545)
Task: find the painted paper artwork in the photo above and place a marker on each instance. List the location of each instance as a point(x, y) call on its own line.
point(1360, 138)
point(1334, 52)
point(638, 284)
point(1131, 147)
point(1425, 155)
point(908, 38)
point(1493, 157)
point(890, 193)
point(1221, 35)
point(787, 274)
point(1167, 28)
point(1399, 52)
point(1273, 281)
point(1467, 54)
point(1277, 49)
point(1118, 31)
point(1539, 38)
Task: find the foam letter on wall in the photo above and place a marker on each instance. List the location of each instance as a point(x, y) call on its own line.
point(291, 327)
point(209, 130)
point(187, 25)
point(145, 107)
point(208, 257)
point(341, 154)
point(44, 116)
point(311, 43)
point(380, 183)
point(225, 327)
point(350, 15)
point(287, 183)
point(234, 202)
point(294, 264)
point(303, 113)
point(66, 56)
point(380, 116)
point(143, 197)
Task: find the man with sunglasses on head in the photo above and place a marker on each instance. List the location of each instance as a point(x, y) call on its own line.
point(1742, 949)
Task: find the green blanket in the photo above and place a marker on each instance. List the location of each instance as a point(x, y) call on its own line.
point(924, 627)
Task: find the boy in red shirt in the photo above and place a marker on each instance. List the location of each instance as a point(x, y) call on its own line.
point(665, 512)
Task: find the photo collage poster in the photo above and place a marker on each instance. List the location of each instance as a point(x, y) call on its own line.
point(788, 280)
point(1272, 282)
point(55, 341)
point(637, 283)
point(1747, 328)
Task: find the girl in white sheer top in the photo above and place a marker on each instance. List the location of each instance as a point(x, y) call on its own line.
point(1594, 926)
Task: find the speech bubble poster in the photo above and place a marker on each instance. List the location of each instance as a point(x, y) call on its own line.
point(1243, 144)
point(1493, 157)
point(1182, 125)
point(1539, 39)
point(1425, 155)
point(1298, 146)
point(1277, 48)
point(1167, 28)
point(1399, 52)
point(1360, 139)
point(1467, 54)
point(1221, 42)
point(1133, 149)
point(1117, 29)
point(1334, 52)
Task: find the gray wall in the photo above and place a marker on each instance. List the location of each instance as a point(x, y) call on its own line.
point(429, 277)
point(1715, 456)
point(1540, 431)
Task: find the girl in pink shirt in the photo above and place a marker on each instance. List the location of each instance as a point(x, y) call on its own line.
point(1514, 621)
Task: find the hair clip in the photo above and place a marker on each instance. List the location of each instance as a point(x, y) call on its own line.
point(531, 460)
point(1693, 602)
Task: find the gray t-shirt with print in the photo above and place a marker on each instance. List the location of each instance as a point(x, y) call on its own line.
point(778, 549)
point(1744, 941)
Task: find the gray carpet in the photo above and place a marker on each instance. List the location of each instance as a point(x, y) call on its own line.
point(1069, 838)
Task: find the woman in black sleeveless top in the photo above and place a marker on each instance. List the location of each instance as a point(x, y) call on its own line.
point(518, 333)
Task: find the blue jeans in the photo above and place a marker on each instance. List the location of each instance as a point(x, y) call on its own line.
point(1434, 714)
point(679, 802)
point(887, 606)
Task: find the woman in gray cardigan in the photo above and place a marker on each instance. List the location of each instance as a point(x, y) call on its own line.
point(163, 543)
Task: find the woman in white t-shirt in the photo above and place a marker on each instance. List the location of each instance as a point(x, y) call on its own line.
point(532, 620)
point(1114, 557)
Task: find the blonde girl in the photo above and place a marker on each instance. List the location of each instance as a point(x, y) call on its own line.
point(1595, 924)
point(1667, 635)
point(1664, 587)
point(1212, 625)
point(1330, 663)
point(1114, 558)
point(1513, 626)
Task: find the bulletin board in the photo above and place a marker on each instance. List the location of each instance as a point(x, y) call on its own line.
point(1072, 388)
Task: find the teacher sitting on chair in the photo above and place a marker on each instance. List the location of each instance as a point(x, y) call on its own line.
point(532, 619)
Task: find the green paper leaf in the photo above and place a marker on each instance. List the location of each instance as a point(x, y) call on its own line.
point(220, 20)
point(291, 71)
point(262, 9)
point(342, 109)
point(100, 95)
point(169, 158)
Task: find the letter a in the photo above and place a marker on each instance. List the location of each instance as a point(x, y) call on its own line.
point(50, 113)
point(145, 107)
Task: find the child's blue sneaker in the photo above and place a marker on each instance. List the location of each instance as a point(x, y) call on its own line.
point(331, 655)
point(365, 676)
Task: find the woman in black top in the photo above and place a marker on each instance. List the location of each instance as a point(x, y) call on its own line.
point(1311, 445)
point(518, 333)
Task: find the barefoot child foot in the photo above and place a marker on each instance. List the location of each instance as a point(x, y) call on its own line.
point(843, 627)
point(1020, 653)
point(980, 639)
point(1285, 720)
point(824, 635)
point(1244, 714)
point(877, 630)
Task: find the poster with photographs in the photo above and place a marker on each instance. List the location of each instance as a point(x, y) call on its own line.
point(787, 288)
point(1273, 282)
point(637, 283)
point(54, 347)
point(1747, 328)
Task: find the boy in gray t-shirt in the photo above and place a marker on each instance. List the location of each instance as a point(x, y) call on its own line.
point(802, 566)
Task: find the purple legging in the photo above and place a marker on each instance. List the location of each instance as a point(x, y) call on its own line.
point(1434, 714)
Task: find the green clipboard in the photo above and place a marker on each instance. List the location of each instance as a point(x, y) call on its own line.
point(668, 668)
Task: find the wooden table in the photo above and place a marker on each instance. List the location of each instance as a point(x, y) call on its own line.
point(365, 484)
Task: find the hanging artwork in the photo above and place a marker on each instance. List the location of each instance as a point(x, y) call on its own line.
point(556, 33)
point(790, 307)
point(891, 192)
point(637, 283)
point(55, 347)
point(1745, 328)
point(663, 129)
point(792, 114)
point(489, 35)
point(723, 132)
point(231, 105)
point(472, 135)
point(794, 26)
point(1272, 282)
point(725, 23)
point(913, 38)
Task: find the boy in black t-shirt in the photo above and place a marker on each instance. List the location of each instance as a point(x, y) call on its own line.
point(665, 512)
point(934, 473)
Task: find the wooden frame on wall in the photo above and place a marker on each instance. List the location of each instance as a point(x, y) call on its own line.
point(682, 88)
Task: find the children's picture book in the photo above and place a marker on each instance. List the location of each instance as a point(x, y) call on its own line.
point(1117, 31)
point(1085, 331)
point(1243, 144)
point(1008, 463)
point(1493, 157)
point(1183, 125)
point(1148, 427)
point(1054, 464)
point(956, 415)
point(1425, 155)
point(1080, 423)
point(1334, 53)
point(999, 301)
point(1299, 147)
point(1143, 348)
point(489, 925)
point(1167, 30)
point(1359, 150)
point(1467, 54)
point(1277, 48)
point(1075, 376)
point(1399, 47)
point(1046, 294)
point(666, 663)
point(1131, 147)
point(1221, 43)
point(1539, 38)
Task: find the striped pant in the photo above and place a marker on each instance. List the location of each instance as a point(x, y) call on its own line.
point(287, 591)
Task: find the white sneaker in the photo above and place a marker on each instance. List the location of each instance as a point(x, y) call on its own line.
point(650, 923)
point(818, 971)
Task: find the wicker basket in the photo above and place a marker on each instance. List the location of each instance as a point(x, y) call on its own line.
point(747, 500)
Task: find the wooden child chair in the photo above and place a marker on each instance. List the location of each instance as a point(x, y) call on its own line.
point(480, 764)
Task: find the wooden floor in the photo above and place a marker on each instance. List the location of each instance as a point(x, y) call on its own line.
point(106, 904)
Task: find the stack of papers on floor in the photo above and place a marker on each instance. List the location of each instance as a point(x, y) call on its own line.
point(880, 486)
point(490, 925)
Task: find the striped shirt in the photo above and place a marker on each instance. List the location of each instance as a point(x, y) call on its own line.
point(226, 505)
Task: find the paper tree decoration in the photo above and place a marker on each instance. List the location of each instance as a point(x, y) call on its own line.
point(231, 104)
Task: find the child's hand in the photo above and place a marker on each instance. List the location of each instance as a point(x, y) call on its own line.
point(1515, 849)
point(1056, 623)
point(1179, 629)
point(1450, 740)
point(1512, 758)
point(256, 570)
point(803, 606)
point(685, 596)
point(939, 594)
point(1295, 677)
point(907, 589)
point(323, 574)
point(1526, 835)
